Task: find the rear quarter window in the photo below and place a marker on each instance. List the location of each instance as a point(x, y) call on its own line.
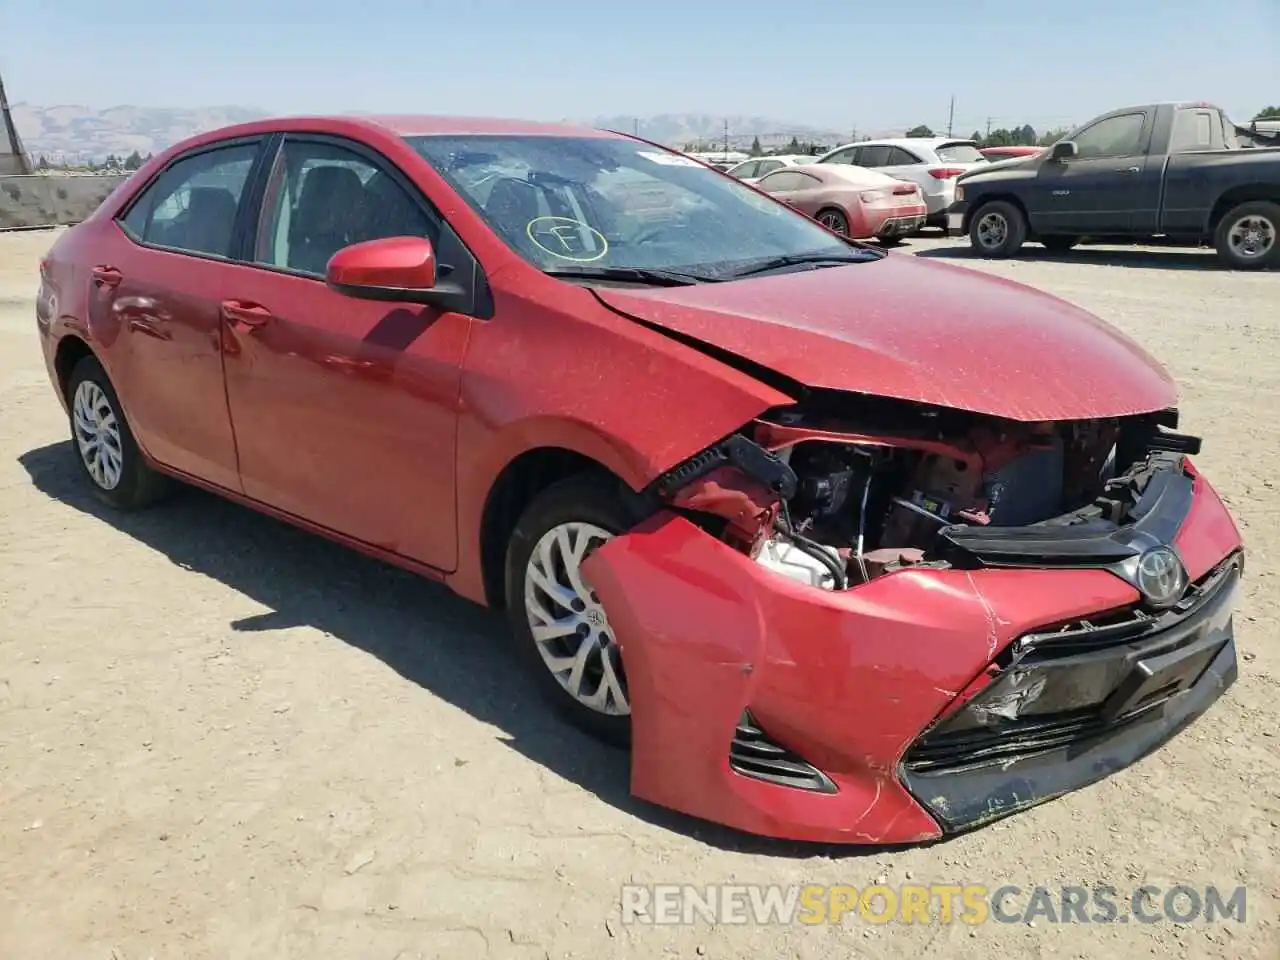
point(960, 153)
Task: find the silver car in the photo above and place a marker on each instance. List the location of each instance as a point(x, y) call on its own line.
point(932, 162)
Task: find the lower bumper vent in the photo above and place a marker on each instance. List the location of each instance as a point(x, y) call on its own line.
point(753, 754)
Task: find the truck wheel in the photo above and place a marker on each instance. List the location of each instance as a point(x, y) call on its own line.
point(998, 229)
point(1246, 238)
point(1059, 244)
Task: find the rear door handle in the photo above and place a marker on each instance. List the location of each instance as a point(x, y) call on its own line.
point(104, 276)
point(245, 314)
point(1129, 170)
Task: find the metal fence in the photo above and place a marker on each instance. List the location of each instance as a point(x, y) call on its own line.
point(49, 201)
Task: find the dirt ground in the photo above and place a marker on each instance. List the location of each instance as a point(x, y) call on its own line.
point(220, 737)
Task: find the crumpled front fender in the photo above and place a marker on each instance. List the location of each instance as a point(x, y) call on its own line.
point(845, 679)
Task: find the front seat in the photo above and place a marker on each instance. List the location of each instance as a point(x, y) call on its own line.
point(330, 215)
point(208, 222)
point(511, 206)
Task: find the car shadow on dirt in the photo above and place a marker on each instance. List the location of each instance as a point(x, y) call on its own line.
point(1146, 258)
point(418, 628)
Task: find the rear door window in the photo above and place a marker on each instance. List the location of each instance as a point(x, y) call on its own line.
point(193, 205)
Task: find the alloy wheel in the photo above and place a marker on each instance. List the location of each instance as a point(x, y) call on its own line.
point(568, 623)
point(97, 432)
point(833, 221)
point(1252, 237)
point(993, 230)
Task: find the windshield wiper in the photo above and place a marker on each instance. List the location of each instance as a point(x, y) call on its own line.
point(796, 259)
point(645, 275)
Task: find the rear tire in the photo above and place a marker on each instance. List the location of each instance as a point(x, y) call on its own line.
point(104, 445)
point(560, 528)
point(998, 229)
point(889, 241)
point(834, 220)
point(1059, 244)
point(1248, 237)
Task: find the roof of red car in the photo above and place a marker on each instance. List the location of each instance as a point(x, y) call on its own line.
point(408, 126)
point(415, 125)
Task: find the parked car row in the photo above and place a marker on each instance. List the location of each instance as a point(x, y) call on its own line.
point(932, 164)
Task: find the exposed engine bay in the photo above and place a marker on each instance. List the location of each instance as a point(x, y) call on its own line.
point(834, 506)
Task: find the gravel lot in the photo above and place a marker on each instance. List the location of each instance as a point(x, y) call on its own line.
point(220, 737)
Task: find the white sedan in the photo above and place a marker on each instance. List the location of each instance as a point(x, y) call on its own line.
point(750, 171)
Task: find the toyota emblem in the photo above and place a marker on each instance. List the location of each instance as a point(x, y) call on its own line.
point(1161, 577)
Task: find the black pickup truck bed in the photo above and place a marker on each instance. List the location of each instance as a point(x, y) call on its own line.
point(1179, 173)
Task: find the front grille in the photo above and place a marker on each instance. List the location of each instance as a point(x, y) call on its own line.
point(1081, 668)
point(1117, 627)
point(753, 754)
point(1021, 738)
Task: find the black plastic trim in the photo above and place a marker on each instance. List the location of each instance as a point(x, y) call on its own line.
point(1085, 539)
point(753, 754)
point(1093, 707)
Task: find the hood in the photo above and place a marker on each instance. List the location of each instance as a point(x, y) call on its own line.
point(997, 166)
point(915, 330)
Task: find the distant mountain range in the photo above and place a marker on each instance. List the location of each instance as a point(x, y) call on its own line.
point(78, 134)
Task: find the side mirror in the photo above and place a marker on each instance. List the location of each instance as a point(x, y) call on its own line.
point(1063, 150)
point(393, 269)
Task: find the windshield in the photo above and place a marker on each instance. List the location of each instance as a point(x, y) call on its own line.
point(960, 153)
point(602, 202)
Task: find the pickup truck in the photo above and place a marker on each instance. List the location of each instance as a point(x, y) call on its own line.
point(1178, 173)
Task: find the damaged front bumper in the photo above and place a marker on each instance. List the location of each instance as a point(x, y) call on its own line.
point(890, 713)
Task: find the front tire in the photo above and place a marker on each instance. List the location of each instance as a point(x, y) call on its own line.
point(563, 637)
point(105, 447)
point(1247, 237)
point(998, 230)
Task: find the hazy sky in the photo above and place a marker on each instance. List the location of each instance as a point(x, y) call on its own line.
point(832, 63)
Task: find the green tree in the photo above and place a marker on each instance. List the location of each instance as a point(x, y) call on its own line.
point(43, 163)
point(976, 137)
point(793, 146)
point(920, 131)
point(1268, 113)
point(756, 149)
point(1053, 136)
point(1027, 136)
point(133, 161)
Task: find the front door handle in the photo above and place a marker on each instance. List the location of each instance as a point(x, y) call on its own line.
point(104, 276)
point(244, 314)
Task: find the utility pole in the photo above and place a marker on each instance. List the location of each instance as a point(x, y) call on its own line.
point(726, 135)
point(951, 115)
point(635, 126)
point(11, 134)
point(989, 128)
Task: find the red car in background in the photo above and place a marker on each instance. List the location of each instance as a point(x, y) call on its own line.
point(847, 546)
point(851, 201)
point(996, 154)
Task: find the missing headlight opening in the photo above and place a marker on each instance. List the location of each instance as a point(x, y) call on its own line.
point(821, 497)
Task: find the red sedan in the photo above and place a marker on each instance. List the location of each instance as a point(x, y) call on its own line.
point(847, 546)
